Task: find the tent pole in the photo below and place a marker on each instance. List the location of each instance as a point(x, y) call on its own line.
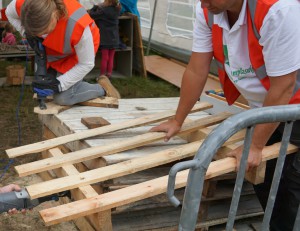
point(151, 29)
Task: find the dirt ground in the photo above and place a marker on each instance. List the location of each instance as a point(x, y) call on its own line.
point(11, 136)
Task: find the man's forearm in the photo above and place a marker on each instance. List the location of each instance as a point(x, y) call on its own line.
point(280, 93)
point(191, 89)
point(193, 81)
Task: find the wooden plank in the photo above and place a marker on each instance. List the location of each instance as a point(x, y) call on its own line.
point(220, 105)
point(224, 99)
point(144, 190)
point(108, 102)
point(44, 145)
point(138, 63)
point(98, 221)
point(82, 193)
point(117, 170)
point(112, 147)
point(172, 71)
point(53, 109)
point(165, 69)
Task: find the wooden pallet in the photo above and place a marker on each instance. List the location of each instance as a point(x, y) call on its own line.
point(88, 162)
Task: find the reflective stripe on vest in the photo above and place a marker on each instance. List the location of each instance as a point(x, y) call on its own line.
point(261, 71)
point(67, 50)
point(254, 21)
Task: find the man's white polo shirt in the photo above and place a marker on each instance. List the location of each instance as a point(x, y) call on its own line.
point(282, 55)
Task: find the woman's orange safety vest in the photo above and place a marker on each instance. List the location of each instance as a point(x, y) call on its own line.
point(257, 10)
point(60, 43)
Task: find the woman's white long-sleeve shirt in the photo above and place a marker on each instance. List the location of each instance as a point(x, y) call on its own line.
point(84, 50)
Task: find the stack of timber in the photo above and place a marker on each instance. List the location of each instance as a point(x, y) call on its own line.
point(117, 173)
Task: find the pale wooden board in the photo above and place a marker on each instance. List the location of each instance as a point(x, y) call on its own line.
point(144, 190)
point(154, 117)
point(53, 109)
point(172, 71)
point(113, 147)
point(102, 102)
point(117, 170)
point(165, 69)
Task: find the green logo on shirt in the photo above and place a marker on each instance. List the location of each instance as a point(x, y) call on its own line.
point(242, 71)
point(225, 50)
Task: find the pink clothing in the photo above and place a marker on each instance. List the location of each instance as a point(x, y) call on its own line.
point(9, 39)
point(107, 61)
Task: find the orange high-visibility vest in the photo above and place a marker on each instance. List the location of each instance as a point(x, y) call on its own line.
point(256, 12)
point(60, 43)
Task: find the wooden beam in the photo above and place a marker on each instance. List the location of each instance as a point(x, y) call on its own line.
point(82, 193)
point(117, 170)
point(113, 147)
point(143, 190)
point(44, 145)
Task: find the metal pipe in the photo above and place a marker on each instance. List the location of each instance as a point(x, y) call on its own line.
point(151, 29)
point(277, 175)
point(211, 145)
point(239, 180)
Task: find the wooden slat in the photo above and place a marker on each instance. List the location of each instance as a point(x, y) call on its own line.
point(98, 221)
point(144, 190)
point(109, 102)
point(241, 105)
point(113, 147)
point(53, 109)
point(82, 193)
point(117, 170)
point(44, 145)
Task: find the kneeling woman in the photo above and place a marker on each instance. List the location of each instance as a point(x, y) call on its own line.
point(70, 38)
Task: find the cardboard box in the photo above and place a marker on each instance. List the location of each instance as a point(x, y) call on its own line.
point(15, 74)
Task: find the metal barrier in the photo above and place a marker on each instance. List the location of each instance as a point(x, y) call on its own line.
point(198, 166)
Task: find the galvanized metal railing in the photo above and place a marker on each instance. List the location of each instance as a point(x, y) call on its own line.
point(198, 166)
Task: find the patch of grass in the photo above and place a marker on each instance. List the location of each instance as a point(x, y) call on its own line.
point(139, 87)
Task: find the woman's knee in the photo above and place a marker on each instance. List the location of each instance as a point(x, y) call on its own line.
point(62, 100)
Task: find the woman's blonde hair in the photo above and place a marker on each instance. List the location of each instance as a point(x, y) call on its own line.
point(36, 14)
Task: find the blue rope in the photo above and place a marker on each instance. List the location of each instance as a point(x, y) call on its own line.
point(6, 167)
point(11, 161)
point(21, 97)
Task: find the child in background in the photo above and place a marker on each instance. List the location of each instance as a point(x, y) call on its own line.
point(7, 35)
point(106, 16)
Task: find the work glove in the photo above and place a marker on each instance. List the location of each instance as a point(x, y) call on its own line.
point(47, 84)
